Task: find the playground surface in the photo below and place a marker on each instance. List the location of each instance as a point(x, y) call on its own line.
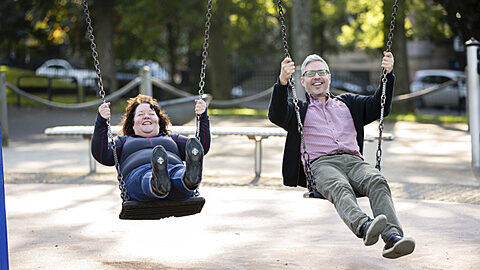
point(61, 217)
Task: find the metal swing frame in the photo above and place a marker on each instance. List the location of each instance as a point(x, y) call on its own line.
point(312, 191)
point(158, 209)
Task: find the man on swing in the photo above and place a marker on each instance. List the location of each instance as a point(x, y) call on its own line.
point(333, 133)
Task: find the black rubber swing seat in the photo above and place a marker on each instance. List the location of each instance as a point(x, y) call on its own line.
point(153, 210)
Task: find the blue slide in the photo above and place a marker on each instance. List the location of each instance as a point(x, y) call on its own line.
point(3, 217)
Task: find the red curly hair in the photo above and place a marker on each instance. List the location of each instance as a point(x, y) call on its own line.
point(128, 117)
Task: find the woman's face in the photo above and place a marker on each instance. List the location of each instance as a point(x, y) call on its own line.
point(145, 122)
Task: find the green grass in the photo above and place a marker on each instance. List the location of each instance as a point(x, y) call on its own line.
point(33, 81)
point(421, 118)
point(30, 79)
point(12, 74)
point(238, 112)
point(59, 98)
point(426, 118)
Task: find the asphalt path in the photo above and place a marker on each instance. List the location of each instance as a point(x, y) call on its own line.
point(61, 217)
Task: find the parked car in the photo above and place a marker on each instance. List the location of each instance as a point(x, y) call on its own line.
point(453, 96)
point(62, 68)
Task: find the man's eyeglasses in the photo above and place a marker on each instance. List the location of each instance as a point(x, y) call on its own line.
point(320, 72)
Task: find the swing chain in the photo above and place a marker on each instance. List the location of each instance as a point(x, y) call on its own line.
point(93, 46)
point(384, 87)
point(284, 28)
point(101, 92)
point(201, 84)
point(305, 156)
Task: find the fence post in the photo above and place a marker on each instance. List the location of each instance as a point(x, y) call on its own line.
point(3, 216)
point(473, 98)
point(146, 85)
point(3, 109)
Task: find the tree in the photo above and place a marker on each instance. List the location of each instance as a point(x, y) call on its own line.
point(221, 82)
point(39, 29)
point(328, 17)
point(364, 27)
point(104, 32)
point(14, 28)
point(463, 17)
point(368, 29)
point(301, 37)
point(301, 29)
point(169, 32)
point(399, 48)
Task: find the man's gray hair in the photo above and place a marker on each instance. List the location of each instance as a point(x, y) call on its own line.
point(312, 58)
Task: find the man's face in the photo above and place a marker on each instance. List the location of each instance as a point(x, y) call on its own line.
point(316, 85)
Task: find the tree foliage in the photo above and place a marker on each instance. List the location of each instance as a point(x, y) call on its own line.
point(172, 32)
point(328, 16)
point(364, 29)
point(425, 19)
point(462, 17)
point(37, 28)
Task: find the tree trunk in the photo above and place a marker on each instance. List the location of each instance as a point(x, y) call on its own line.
point(104, 25)
point(194, 64)
point(301, 30)
point(301, 38)
point(219, 72)
point(399, 50)
point(172, 53)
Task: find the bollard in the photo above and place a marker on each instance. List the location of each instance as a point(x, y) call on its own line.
point(146, 85)
point(3, 217)
point(473, 97)
point(3, 109)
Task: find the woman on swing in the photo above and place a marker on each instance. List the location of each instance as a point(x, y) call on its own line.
point(151, 157)
point(333, 134)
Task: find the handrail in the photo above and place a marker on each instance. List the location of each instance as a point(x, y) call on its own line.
point(113, 96)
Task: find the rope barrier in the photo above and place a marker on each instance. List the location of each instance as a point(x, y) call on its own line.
point(163, 85)
point(423, 92)
point(219, 103)
point(113, 96)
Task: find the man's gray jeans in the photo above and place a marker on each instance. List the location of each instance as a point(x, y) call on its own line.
point(337, 177)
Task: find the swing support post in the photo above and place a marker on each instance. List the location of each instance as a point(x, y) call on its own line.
point(3, 218)
point(473, 85)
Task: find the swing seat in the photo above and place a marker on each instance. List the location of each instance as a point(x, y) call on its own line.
point(134, 210)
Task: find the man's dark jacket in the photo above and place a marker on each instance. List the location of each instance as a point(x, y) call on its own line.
point(281, 112)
